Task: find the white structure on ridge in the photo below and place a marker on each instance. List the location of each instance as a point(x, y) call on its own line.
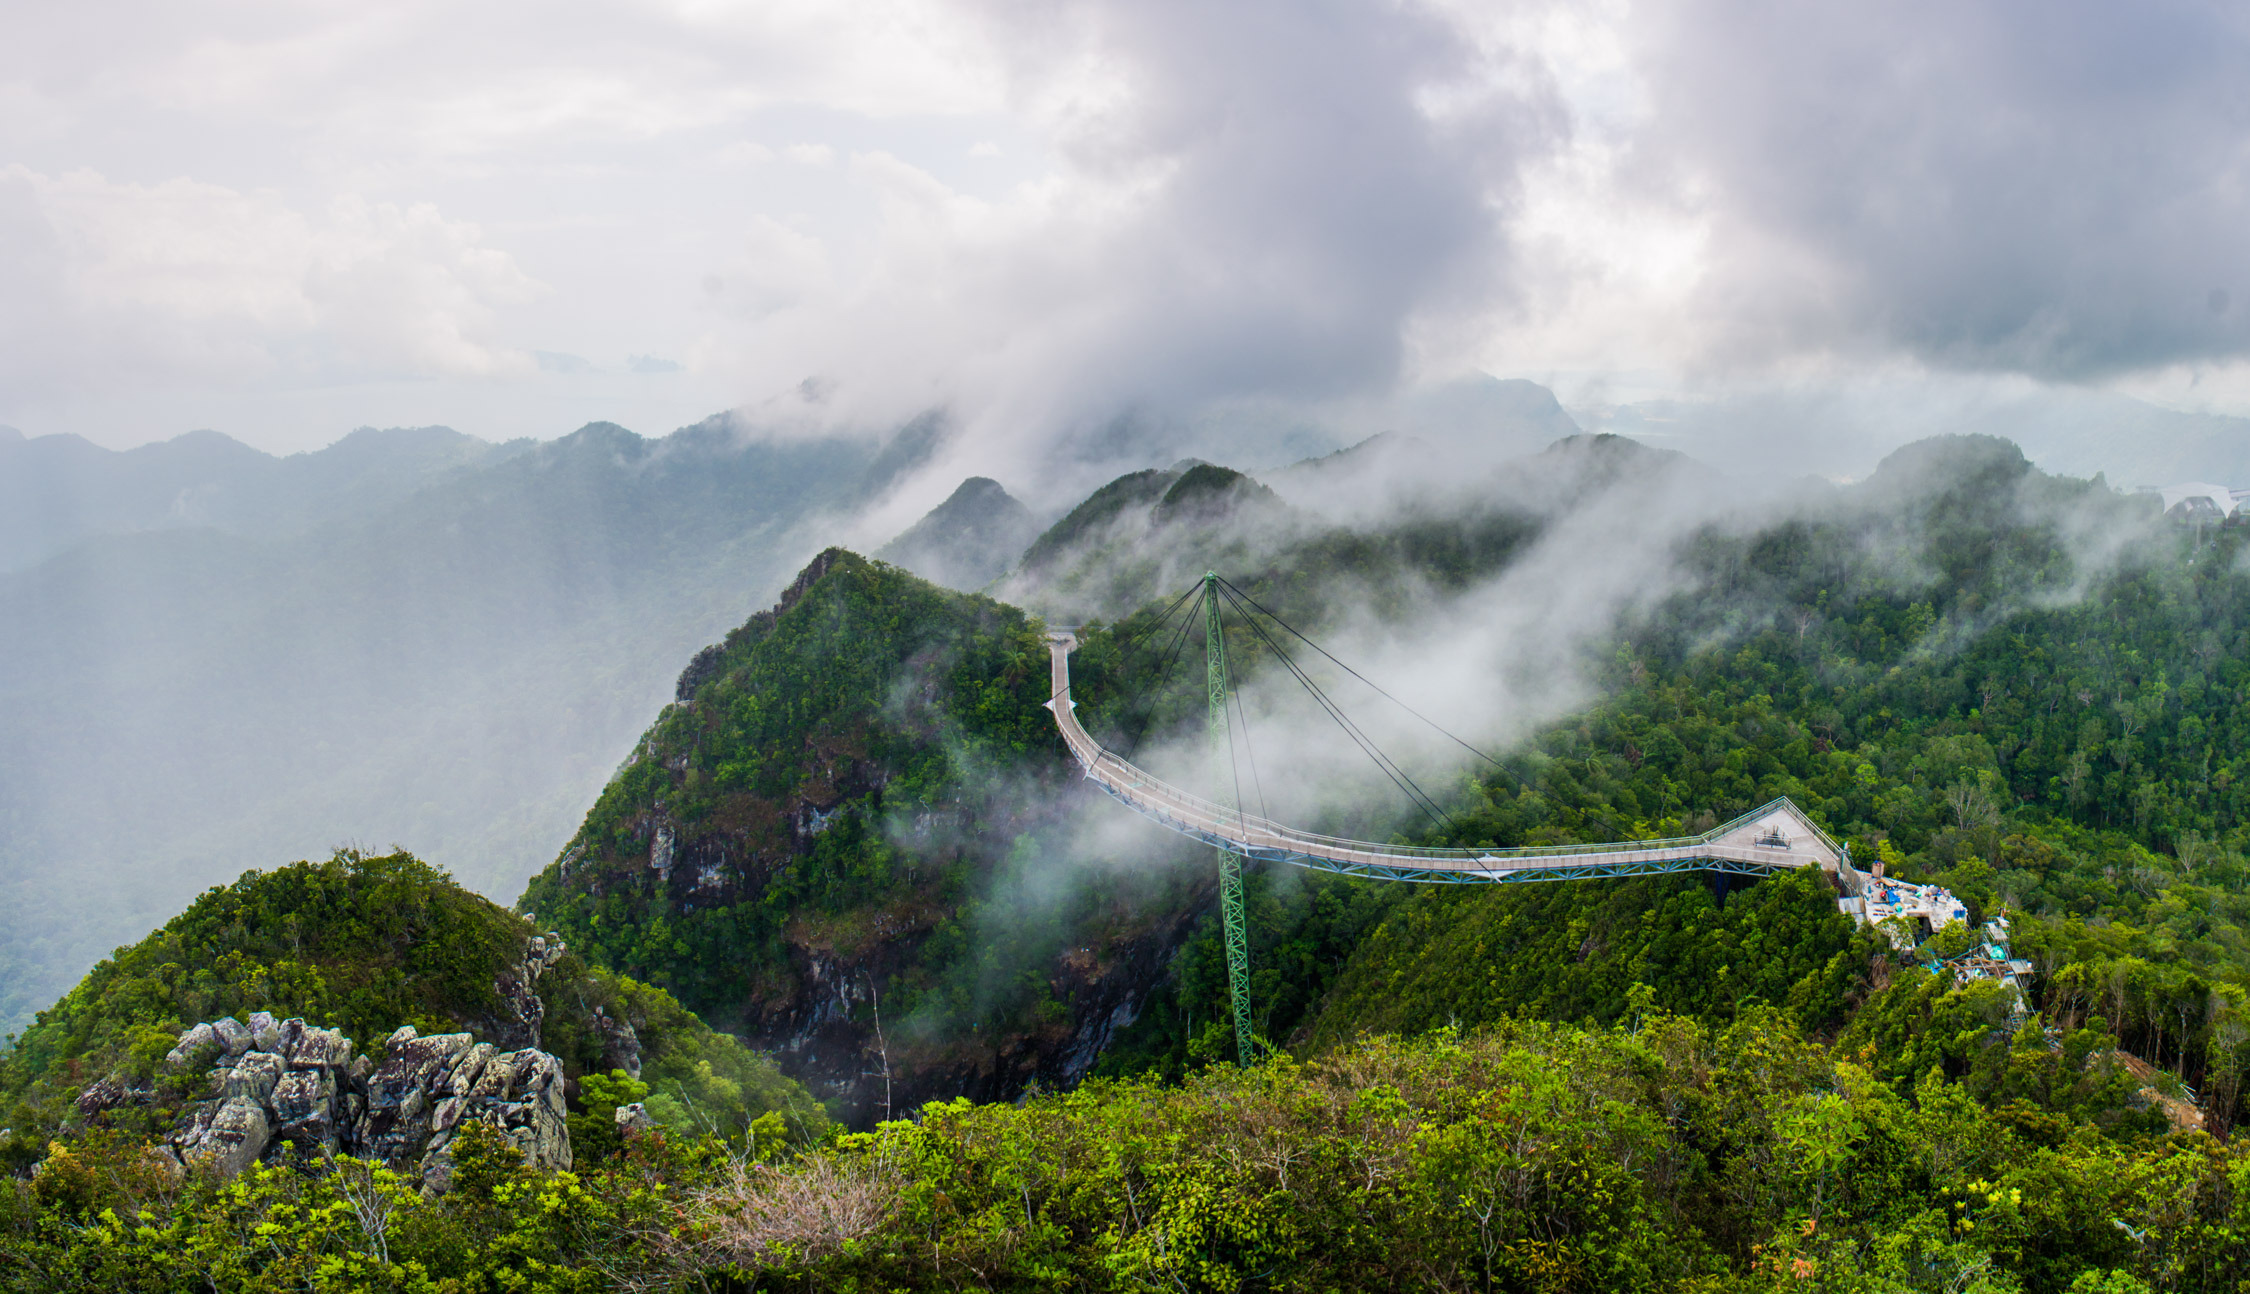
point(2191, 499)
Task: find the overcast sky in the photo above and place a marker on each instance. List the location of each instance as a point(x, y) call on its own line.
point(287, 220)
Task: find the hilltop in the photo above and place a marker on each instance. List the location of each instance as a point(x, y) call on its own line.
point(967, 541)
point(365, 945)
point(821, 845)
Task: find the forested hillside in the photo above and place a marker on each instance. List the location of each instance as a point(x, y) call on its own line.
point(855, 840)
point(2015, 685)
point(2022, 687)
point(364, 945)
point(1662, 1154)
point(845, 842)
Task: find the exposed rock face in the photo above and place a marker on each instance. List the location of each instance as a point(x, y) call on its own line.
point(701, 668)
point(236, 1135)
point(311, 1098)
point(105, 1094)
point(521, 1016)
point(232, 1035)
point(196, 1046)
point(288, 1091)
point(621, 1046)
point(829, 1049)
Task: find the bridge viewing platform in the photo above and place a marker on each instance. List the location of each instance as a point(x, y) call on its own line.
point(1776, 837)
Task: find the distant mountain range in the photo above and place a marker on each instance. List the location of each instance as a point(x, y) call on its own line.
point(58, 491)
point(213, 659)
point(2129, 442)
point(451, 653)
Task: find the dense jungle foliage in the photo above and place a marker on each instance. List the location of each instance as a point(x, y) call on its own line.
point(1660, 1153)
point(2024, 688)
point(2018, 686)
point(363, 944)
point(847, 791)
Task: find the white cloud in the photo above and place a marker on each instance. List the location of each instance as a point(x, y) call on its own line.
point(1246, 201)
point(181, 278)
point(2057, 193)
point(778, 267)
point(1049, 215)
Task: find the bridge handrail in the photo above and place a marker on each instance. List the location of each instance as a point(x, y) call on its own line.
point(1124, 778)
point(1222, 815)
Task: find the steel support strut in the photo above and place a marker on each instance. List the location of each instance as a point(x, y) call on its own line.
point(1230, 863)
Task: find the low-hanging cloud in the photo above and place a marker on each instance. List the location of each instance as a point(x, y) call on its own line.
point(1047, 219)
point(1314, 209)
point(103, 281)
point(1247, 200)
point(2062, 191)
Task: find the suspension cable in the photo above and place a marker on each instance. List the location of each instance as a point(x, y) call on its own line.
point(1226, 694)
point(1390, 767)
point(1135, 642)
point(1138, 640)
point(1361, 677)
point(1148, 708)
point(1242, 715)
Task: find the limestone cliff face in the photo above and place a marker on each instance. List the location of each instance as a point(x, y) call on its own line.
point(854, 843)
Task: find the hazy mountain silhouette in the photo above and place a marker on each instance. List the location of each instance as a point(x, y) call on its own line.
point(969, 540)
point(456, 672)
point(58, 491)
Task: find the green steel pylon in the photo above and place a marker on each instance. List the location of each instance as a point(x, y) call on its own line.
point(1230, 864)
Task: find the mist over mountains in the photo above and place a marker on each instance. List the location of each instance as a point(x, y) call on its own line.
point(1717, 532)
point(969, 540)
point(58, 491)
point(217, 659)
point(456, 667)
point(1843, 429)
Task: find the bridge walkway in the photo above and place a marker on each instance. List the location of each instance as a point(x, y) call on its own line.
point(1775, 837)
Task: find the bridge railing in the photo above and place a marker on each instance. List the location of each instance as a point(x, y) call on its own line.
point(1130, 777)
point(1125, 778)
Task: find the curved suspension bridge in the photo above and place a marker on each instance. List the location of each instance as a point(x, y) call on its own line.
point(1775, 837)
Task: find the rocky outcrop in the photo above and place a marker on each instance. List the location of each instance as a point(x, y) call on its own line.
point(826, 1038)
point(297, 1093)
point(288, 1091)
point(621, 1044)
point(521, 1015)
point(701, 668)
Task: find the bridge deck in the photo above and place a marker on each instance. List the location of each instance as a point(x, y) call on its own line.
point(1767, 839)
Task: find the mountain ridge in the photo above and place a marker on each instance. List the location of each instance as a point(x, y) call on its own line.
point(60, 490)
point(322, 681)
